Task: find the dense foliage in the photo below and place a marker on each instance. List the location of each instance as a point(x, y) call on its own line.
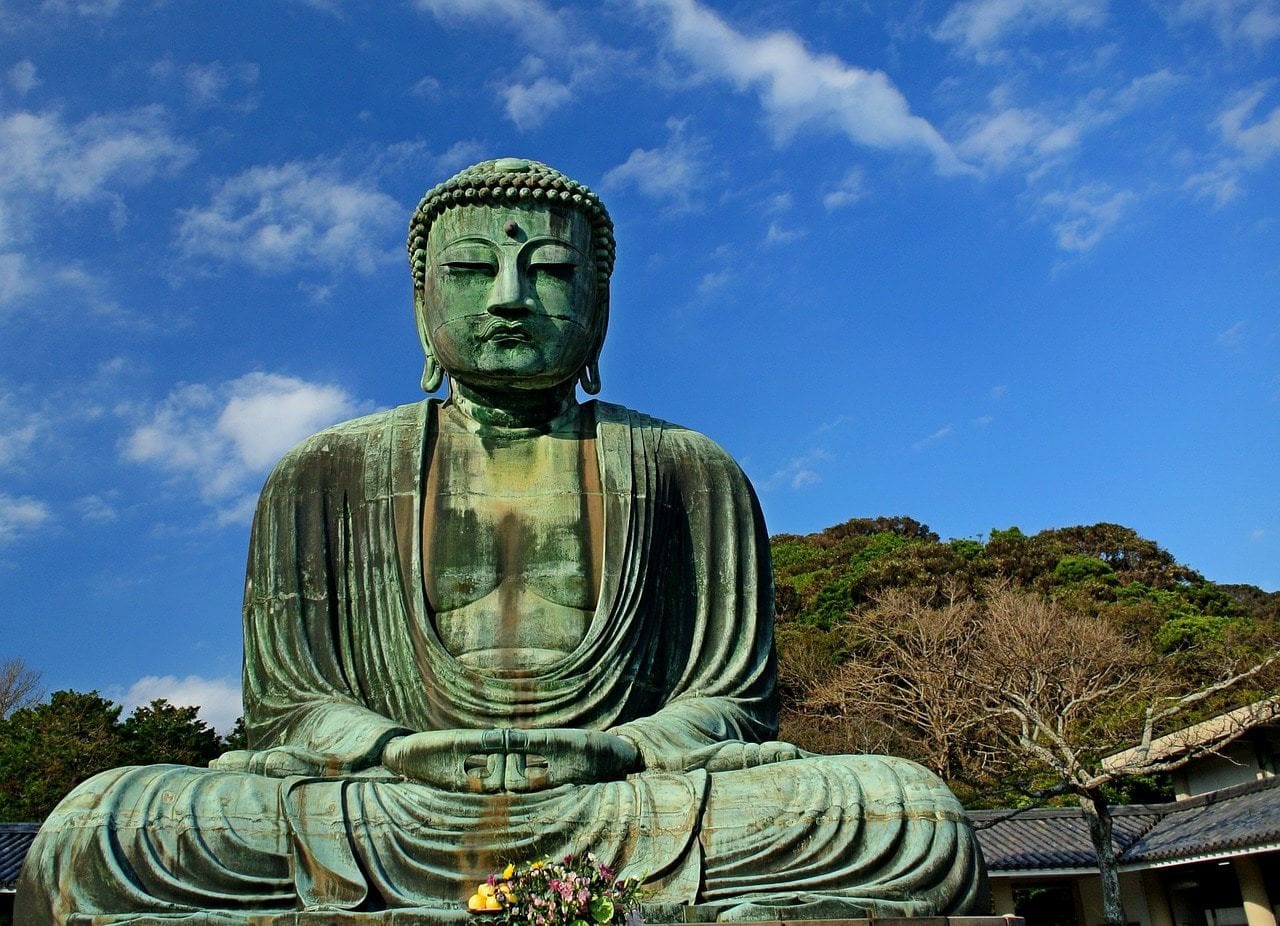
point(48, 748)
point(841, 590)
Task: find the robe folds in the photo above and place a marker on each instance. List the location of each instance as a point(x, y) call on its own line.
point(341, 655)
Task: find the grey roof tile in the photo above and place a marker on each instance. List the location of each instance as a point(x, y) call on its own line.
point(15, 840)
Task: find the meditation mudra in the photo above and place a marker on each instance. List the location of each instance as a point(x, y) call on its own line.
point(504, 626)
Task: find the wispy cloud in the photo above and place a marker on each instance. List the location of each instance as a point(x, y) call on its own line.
point(1011, 135)
point(18, 432)
point(847, 192)
point(90, 160)
point(567, 62)
point(218, 698)
point(798, 88)
point(1255, 22)
point(778, 235)
point(981, 28)
point(1249, 141)
point(671, 173)
point(936, 437)
point(22, 77)
point(214, 83)
point(1233, 336)
point(20, 515)
point(799, 472)
point(222, 437)
point(1087, 213)
point(282, 217)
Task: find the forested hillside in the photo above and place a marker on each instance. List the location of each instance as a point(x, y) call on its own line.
point(879, 621)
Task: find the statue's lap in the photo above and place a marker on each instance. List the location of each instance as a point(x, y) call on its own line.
point(792, 830)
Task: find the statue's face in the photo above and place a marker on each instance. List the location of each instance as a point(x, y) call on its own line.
point(509, 299)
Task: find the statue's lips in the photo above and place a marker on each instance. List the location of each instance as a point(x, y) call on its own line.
point(506, 332)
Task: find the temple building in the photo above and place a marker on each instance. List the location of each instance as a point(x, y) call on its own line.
point(1209, 858)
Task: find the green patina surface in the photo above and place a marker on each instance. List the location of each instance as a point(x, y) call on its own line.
point(500, 626)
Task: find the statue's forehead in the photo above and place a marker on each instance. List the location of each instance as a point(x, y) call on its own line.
point(492, 222)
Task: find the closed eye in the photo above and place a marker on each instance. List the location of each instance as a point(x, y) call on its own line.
point(560, 270)
point(471, 266)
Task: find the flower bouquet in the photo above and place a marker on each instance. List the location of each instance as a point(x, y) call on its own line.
point(578, 891)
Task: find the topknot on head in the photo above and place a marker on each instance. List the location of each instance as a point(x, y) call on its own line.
point(511, 180)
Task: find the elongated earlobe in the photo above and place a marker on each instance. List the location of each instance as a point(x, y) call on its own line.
point(589, 378)
point(432, 373)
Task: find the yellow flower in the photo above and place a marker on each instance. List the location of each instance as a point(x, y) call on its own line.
point(508, 871)
point(534, 866)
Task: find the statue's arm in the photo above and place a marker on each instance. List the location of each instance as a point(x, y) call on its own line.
point(302, 708)
point(723, 693)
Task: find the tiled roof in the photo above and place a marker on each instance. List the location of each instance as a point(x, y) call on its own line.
point(1053, 837)
point(15, 840)
point(1234, 818)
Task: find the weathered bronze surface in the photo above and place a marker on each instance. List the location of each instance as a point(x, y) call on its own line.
point(501, 626)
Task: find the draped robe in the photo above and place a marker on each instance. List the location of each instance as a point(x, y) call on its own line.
point(341, 656)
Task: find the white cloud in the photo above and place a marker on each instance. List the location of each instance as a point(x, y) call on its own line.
point(218, 698)
point(529, 104)
point(799, 472)
point(939, 435)
point(1258, 140)
point(1254, 21)
point(1252, 142)
point(536, 22)
point(778, 235)
point(1233, 337)
point(672, 174)
point(779, 203)
point(100, 9)
point(851, 188)
point(1002, 137)
point(582, 63)
point(209, 84)
point(222, 437)
point(427, 88)
point(95, 508)
point(999, 392)
point(1088, 213)
point(981, 27)
point(84, 161)
point(714, 281)
point(22, 77)
point(18, 432)
point(983, 421)
point(801, 89)
point(20, 514)
point(279, 218)
point(16, 278)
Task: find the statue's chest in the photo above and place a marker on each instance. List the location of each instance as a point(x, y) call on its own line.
point(511, 547)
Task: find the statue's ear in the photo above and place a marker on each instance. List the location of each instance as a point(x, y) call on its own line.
point(589, 378)
point(432, 372)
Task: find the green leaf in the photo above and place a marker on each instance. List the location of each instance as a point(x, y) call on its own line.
point(601, 909)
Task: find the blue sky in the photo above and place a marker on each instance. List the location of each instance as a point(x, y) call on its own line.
point(985, 262)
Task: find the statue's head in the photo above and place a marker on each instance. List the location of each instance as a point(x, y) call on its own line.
point(511, 263)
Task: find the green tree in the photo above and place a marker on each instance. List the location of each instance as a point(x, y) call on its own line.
point(161, 732)
point(47, 749)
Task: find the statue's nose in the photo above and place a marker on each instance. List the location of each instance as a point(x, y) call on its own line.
point(511, 294)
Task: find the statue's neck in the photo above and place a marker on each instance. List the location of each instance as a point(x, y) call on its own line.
point(534, 412)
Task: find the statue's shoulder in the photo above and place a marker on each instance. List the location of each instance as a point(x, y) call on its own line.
point(674, 444)
point(343, 448)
